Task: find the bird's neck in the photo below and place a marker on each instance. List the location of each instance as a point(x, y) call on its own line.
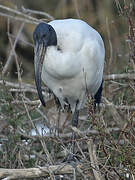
point(51, 61)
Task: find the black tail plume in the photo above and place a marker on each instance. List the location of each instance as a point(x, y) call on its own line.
point(98, 95)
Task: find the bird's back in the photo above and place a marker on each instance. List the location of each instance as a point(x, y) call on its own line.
point(72, 33)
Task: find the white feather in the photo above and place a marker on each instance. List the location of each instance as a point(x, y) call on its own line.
point(76, 61)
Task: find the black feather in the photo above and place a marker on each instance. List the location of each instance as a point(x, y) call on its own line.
point(98, 95)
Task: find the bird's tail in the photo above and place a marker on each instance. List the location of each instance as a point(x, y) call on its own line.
point(97, 97)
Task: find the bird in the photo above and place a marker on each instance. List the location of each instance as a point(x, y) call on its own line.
point(69, 58)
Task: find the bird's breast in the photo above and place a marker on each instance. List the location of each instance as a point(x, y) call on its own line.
point(61, 65)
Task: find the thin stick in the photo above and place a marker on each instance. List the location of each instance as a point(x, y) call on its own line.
point(110, 43)
point(119, 76)
point(38, 12)
point(93, 158)
point(22, 41)
point(41, 140)
point(12, 52)
point(14, 11)
point(19, 18)
point(113, 111)
point(24, 87)
point(76, 8)
point(119, 107)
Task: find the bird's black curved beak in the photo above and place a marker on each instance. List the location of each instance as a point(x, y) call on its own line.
point(39, 50)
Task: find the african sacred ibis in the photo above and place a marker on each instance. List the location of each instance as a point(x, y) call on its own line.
point(69, 56)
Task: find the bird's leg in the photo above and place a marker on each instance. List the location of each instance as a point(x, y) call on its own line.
point(57, 102)
point(74, 124)
point(71, 156)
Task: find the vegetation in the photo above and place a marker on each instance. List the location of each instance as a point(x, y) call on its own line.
point(105, 144)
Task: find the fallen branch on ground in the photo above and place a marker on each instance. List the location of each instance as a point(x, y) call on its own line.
point(8, 174)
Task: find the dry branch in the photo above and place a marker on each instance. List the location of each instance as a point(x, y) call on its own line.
point(33, 103)
point(119, 76)
point(68, 135)
point(23, 17)
point(119, 107)
point(19, 39)
point(37, 12)
point(8, 174)
point(23, 88)
point(113, 111)
point(16, 85)
point(18, 18)
point(94, 161)
point(12, 52)
point(14, 11)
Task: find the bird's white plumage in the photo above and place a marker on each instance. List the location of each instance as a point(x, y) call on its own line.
point(76, 61)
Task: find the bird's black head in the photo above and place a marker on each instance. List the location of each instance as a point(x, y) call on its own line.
point(44, 35)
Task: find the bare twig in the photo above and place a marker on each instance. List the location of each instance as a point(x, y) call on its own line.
point(76, 8)
point(14, 11)
point(38, 12)
point(44, 116)
point(81, 172)
point(22, 41)
point(110, 43)
point(25, 87)
point(23, 90)
point(119, 107)
point(119, 7)
point(16, 85)
point(119, 76)
point(116, 117)
point(93, 158)
point(12, 52)
point(33, 103)
point(14, 18)
point(41, 140)
point(26, 18)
